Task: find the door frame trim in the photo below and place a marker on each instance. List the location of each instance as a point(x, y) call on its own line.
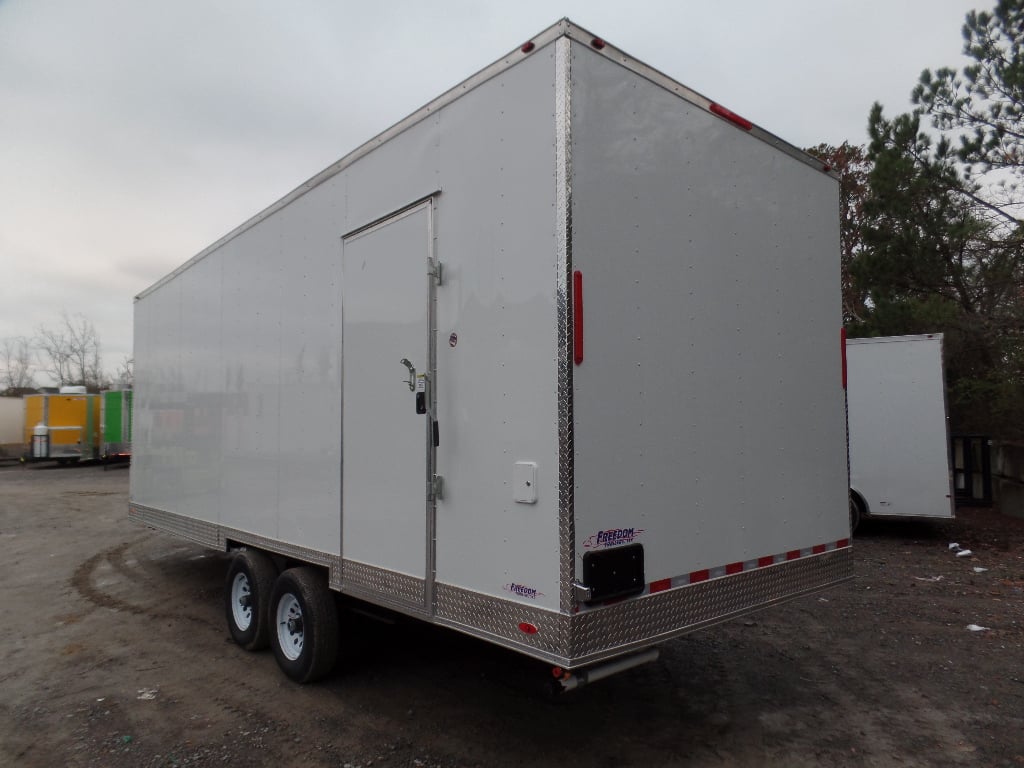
point(428, 204)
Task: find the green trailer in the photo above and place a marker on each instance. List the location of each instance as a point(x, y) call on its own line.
point(116, 421)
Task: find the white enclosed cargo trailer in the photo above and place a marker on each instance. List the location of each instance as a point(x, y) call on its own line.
point(899, 432)
point(554, 362)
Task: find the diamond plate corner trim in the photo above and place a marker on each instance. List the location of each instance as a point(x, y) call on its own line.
point(377, 585)
point(563, 269)
point(498, 620)
point(651, 619)
point(199, 531)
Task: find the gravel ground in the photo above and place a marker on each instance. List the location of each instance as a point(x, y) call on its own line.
point(116, 653)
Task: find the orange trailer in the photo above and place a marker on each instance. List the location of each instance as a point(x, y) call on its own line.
point(64, 427)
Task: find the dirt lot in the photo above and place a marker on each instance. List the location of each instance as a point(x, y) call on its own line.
point(116, 653)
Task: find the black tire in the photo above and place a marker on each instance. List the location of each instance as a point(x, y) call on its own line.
point(304, 633)
point(856, 512)
point(247, 594)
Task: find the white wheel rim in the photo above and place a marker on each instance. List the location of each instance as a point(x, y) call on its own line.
point(241, 601)
point(289, 626)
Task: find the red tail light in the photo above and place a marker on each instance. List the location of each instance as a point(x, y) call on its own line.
point(577, 317)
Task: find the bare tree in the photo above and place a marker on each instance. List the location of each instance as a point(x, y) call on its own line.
point(125, 375)
point(71, 352)
point(16, 361)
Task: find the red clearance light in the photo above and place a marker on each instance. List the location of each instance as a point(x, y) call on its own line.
point(528, 628)
point(842, 340)
point(731, 116)
point(527, 47)
point(577, 317)
point(597, 42)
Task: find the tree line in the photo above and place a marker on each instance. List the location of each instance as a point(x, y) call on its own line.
point(68, 354)
point(932, 222)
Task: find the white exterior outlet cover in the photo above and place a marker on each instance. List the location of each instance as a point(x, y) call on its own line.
point(524, 482)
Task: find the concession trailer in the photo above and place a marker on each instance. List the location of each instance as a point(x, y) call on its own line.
point(62, 426)
point(116, 425)
point(555, 362)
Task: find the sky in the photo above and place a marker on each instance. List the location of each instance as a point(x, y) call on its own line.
point(134, 133)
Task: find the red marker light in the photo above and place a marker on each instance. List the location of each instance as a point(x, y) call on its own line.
point(528, 628)
point(527, 47)
point(731, 116)
point(577, 317)
point(597, 43)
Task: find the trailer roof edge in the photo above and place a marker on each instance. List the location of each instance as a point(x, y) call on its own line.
point(562, 28)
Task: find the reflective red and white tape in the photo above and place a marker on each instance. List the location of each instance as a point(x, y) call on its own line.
point(743, 566)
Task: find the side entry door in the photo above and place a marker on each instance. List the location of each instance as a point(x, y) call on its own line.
point(388, 431)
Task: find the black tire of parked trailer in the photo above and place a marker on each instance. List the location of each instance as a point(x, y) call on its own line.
point(304, 615)
point(247, 592)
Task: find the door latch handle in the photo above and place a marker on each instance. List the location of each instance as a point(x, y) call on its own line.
point(412, 374)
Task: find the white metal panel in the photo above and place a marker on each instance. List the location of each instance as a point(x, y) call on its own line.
point(251, 341)
point(384, 459)
point(709, 408)
point(899, 440)
point(309, 449)
point(160, 443)
point(497, 389)
point(198, 391)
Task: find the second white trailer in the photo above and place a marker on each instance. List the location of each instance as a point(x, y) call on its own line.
point(555, 362)
point(899, 432)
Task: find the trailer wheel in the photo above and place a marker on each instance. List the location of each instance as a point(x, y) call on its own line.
point(305, 632)
point(856, 512)
point(247, 598)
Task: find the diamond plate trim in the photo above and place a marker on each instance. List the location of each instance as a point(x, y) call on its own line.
point(617, 628)
point(498, 621)
point(382, 587)
point(602, 633)
point(293, 551)
point(199, 531)
point(570, 640)
point(563, 322)
point(216, 537)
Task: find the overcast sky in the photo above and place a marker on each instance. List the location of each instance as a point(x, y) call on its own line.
point(134, 133)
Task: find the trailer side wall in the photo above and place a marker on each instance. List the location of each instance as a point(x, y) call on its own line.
point(240, 399)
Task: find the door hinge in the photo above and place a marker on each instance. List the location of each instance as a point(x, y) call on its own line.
point(436, 488)
point(436, 270)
